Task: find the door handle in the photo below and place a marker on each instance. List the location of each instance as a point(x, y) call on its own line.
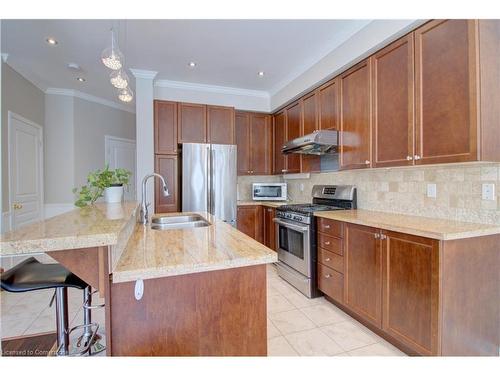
point(327, 276)
point(327, 243)
point(17, 206)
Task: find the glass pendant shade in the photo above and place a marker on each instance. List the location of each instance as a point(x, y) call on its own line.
point(125, 95)
point(119, 79)
point(111, 57)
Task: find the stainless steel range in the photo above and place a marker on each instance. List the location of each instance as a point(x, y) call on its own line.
point(296, 234)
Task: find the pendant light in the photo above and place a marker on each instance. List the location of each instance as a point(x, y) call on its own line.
point(125, 95)
point(119, 79)
point(111, 57)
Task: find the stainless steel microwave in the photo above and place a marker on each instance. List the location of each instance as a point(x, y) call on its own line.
point(269, 191)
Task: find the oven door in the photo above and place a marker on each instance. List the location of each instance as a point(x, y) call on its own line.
point(293, 241)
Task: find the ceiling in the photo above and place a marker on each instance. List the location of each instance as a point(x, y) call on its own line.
point(228, 53)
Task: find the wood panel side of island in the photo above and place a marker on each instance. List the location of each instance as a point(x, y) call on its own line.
point(216, 313)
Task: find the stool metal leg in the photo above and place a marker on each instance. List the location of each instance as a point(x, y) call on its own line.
point(90, 338)
point(62, 321)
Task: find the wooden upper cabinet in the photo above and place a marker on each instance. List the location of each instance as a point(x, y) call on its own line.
point(220, 125)
point(310, 163)
point(165, 127)
point(192, 123)
point(328, 98)
point(242, 127)
point(363, 272)
point(393, 104)
point(167, 166)
point(279, 125)
point(355, 123)
point(411, 290)
point(293, 130)
point(260, 144)
point(446, 103)
point(310, 113)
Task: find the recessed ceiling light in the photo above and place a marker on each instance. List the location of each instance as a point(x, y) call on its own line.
point(192, 64)
point(261, 74)
point(51, 41)
point(81, 79)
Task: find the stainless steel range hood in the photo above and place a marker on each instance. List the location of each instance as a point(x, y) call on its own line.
point(318, 143)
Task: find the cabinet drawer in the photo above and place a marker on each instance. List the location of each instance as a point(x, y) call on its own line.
point(330, 227)
point(332, 260)
point(331, 282)
point(330, 243)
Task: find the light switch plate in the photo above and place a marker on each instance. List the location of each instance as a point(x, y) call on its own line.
point(431, 190)
point(488, 192)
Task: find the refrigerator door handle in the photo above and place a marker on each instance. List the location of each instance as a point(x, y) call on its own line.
point(211, 186)
point(209, 179)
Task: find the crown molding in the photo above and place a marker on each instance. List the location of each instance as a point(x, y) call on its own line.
point(5, 56)
point(88, 97)
point(144, 74)
point(210, 88)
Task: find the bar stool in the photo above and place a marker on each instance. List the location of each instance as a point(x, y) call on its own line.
point(31, 275)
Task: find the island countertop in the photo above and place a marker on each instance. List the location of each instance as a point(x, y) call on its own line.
point(439, 229)
point(159, 253)
point(97, 225)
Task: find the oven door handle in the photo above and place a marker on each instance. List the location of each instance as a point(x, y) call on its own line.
point(292, 226)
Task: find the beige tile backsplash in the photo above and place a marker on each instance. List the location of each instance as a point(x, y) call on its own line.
point(403, 190)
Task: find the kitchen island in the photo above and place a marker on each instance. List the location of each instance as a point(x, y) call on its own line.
point(203, 289)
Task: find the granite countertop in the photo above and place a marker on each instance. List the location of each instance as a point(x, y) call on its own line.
point(439, 229)
point(99, 225)
point(159, 253)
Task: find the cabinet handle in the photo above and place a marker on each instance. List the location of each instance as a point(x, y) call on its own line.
point(327, 242)
point(283, 170)
point(377, 236)
point(327, 259)
point(326, 226)
point(269, 210)
point(327, 276)
point(367, 162)
point(417, 157)
point(383, 236)
point(409, 158)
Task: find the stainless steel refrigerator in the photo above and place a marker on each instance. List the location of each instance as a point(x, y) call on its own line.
point(209, 179)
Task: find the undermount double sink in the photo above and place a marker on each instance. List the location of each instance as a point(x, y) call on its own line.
point(178, 222)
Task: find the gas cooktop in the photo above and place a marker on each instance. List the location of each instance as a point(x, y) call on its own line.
point(308, 208)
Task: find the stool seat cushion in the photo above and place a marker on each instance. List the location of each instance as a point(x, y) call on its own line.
point(32, 275)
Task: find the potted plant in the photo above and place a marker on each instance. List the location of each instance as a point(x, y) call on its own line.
point(107, 182)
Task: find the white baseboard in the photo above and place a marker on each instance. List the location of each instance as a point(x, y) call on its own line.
point(54, 209)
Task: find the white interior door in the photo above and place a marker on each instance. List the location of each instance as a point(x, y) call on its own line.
point(120, 153)
point(25, 171)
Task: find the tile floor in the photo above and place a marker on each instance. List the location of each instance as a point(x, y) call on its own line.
point(297, 326)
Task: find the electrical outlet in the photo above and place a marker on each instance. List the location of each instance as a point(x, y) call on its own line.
point(488, 192)
point(431, 190)
point(301, 187)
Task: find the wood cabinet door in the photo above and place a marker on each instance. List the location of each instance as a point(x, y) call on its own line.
point(269, 214)
point(446, 99)
point(329, 106)
point(363, 272)
point(279, 126)
point(260, 144)
point(293, 130)
point(411, 290)
point(165, 127)
point(167, 166)
point(393, 104)
point(220, 125)
point(242, 127)
point(310, 163)
point(192, 123)
point(249, 221)
point(355, 119)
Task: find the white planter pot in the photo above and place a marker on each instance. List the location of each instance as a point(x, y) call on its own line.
point(113, 194)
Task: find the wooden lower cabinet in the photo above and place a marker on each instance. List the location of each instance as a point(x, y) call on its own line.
point(168, 167)
point(269, 239)
point(249, 221)
point(411, 290)
point(363, 281)
point(426, 296)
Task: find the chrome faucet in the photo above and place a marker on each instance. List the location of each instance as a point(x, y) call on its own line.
point(144, 215)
